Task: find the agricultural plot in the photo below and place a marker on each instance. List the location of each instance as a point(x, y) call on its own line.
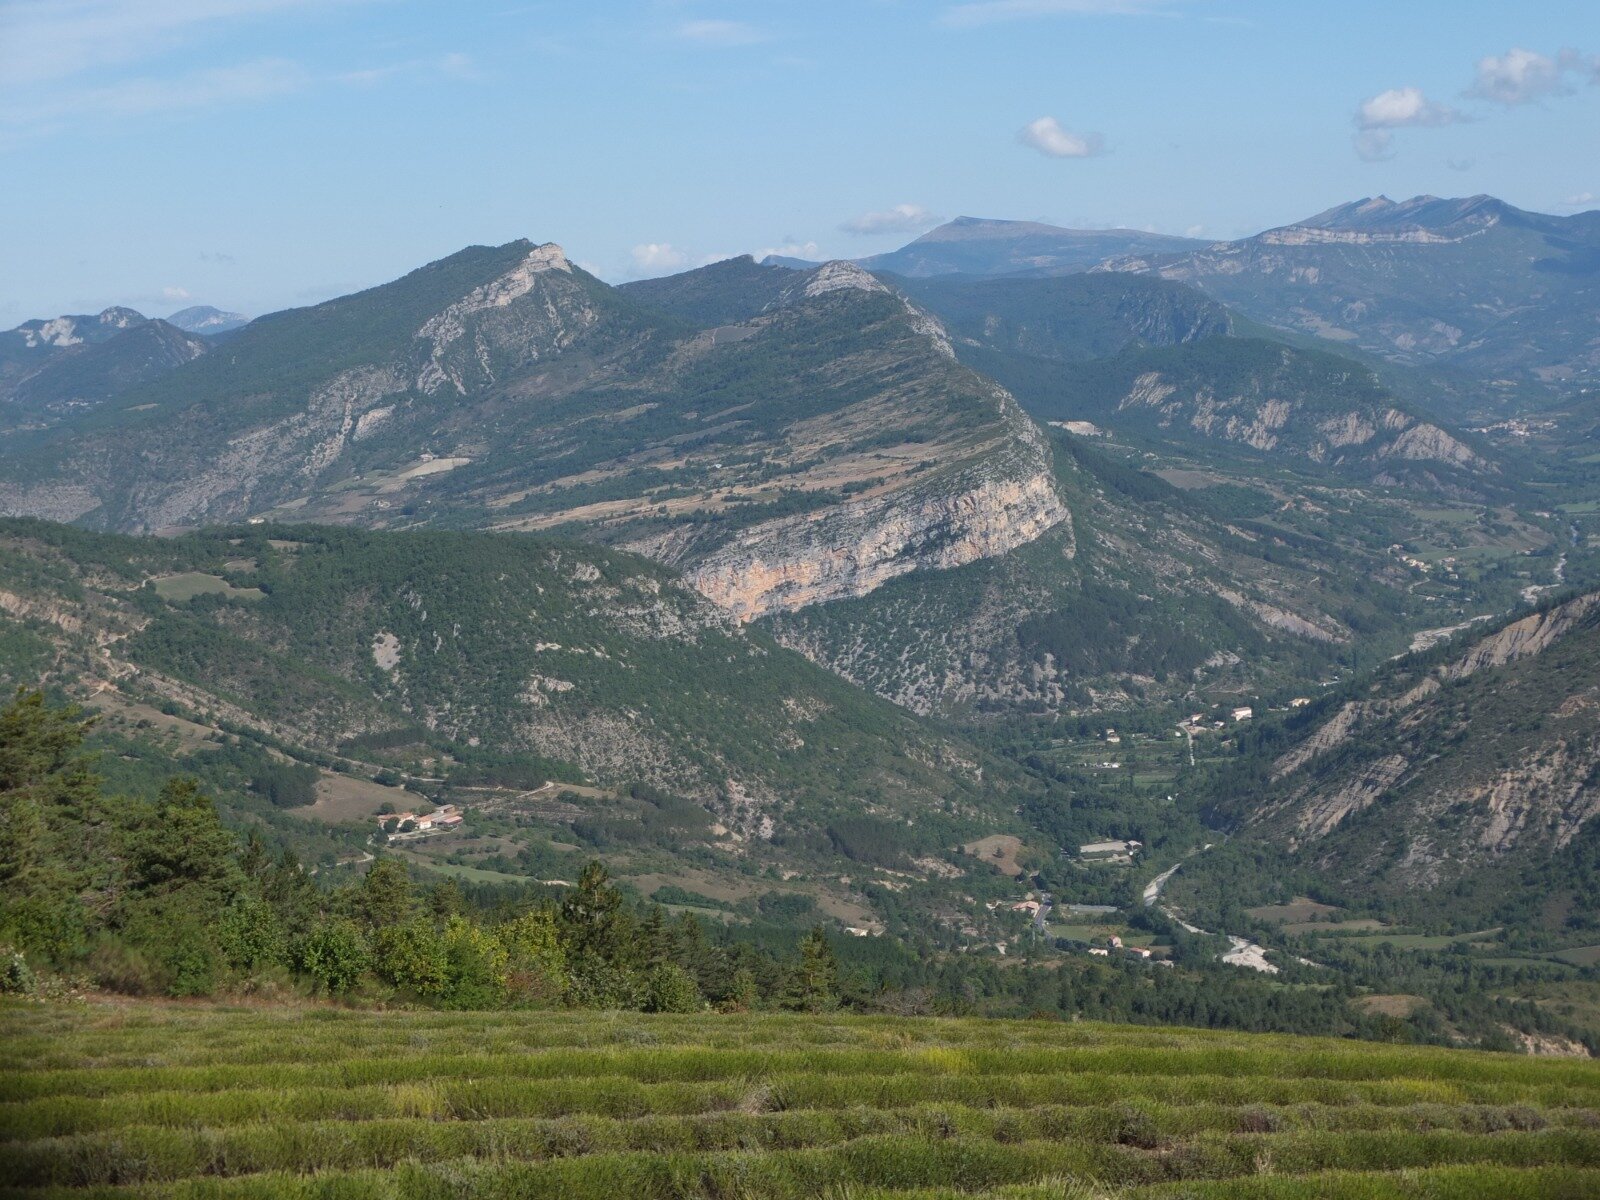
point(130, 1100)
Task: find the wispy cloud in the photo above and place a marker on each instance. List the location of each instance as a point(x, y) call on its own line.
point(42, 40)
point(657, 257)
point(1581, 200)
point(1048, 137)
point(721, 33)
point(902, 218)
point(990, 12)
point(789, 248)
point(142, 96)
point(1522, 76)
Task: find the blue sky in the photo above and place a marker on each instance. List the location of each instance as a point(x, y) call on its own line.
point(260, 154)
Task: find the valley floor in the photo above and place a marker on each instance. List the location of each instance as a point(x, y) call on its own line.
point(137, 1099)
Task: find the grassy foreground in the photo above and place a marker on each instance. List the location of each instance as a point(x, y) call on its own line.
point(143, 1100)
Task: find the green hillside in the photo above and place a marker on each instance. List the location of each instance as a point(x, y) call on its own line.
point(453, 662)
point(1070, 317)
point(187, 1102)
point(1309, 408)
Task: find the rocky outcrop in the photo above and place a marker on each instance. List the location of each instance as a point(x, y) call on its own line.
point(850, 551)
point(1531, 635)
point(1377, 790)
point(556, 322)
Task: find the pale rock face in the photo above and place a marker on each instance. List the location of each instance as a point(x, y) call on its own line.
point(445, 328)
point(1303, 235)
point(295, 448)
point(837, 275)
point(850, 551)
point(1351, 429)
point(1429, 443)
point(60, 331)
point(1529, 636)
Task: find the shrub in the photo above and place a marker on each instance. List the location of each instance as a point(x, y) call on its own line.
point(670, 989)
point(334, 954)
point(249, 935)
point(16, 976)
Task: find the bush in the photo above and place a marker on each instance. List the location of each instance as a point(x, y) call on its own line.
point(670, 989)
point(335, 955)
point(249, 935)
point(16, 976)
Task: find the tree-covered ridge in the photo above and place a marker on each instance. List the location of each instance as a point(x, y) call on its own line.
point(1070, 317)
point(473, 649)
point(1251, 396)
point(156, 897)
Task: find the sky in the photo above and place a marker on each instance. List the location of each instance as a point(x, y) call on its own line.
point(265, 154)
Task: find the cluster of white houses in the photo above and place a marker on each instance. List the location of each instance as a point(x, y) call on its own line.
point(441, 819)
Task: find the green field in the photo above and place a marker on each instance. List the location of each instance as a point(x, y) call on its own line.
point(145, 1100)
point(186, 586)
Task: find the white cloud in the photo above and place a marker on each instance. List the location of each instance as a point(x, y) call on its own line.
point(1522, 76)
point(1047, 136)
point(1194, 231)
point(720, 33)
point(658, 256)
point(902, 218)
point(1403, 106)
point(989, 12)
point(1581, 200)
point(1398, 108)
point(175, 293)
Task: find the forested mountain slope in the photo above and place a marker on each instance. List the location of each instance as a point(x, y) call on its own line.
point(977, 246)
point(50, 370)
point(1484, 754)
point(1297, 406)
point(471, 655)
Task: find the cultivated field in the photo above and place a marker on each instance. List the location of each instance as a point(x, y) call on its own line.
point(136, 1100)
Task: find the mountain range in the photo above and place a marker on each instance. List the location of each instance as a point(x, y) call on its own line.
point(837, 551)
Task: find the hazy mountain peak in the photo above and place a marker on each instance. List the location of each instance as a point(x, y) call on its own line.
point(74, 330)
point(120, 318)
point(1421, 218)
point(203, 318)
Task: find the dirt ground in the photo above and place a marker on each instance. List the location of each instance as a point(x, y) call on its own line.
point(999, 850)
point(343, 798)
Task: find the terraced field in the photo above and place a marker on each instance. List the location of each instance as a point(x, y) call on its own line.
point(134, 1100)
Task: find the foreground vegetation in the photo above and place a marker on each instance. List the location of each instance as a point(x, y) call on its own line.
point(126, 1100)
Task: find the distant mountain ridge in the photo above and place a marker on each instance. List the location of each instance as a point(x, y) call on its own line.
point(1472, 282)
point(203, 318)
point(51, 367)
point(981, 246)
